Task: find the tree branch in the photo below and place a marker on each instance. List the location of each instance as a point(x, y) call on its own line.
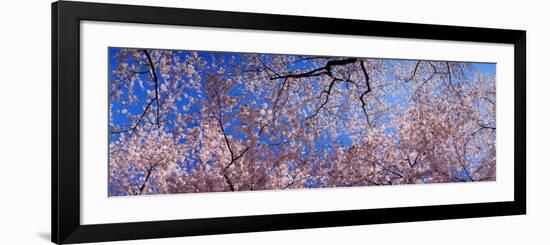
point(123, 81)
point(149, 172)
point(134, 128)
point(414, 72)
point(450, 77)
point(231, 187)
point(156, 99)
point(228, 144)
point(412, 164)
point(362, 98)
point(481, 127)
point(155, 79)
point(327, 92)
point(327, 69)
point(429, 78)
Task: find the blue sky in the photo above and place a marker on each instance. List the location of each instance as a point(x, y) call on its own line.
point(485, 67)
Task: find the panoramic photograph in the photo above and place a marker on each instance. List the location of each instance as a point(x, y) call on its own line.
point(185, 121)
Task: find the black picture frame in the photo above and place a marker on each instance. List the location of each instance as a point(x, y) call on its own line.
point(66, 17)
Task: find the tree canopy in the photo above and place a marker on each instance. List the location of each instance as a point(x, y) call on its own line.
point(199, 121)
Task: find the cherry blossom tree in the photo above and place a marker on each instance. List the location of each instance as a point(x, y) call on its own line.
point(185, 121)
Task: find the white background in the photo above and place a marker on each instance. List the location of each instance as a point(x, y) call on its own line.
point(25, 122)
point(97, 208)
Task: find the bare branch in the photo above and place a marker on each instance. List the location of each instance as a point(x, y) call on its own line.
point(155, 79)
point(414, 72)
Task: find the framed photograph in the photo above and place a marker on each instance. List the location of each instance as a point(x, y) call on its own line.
point(174, 122)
